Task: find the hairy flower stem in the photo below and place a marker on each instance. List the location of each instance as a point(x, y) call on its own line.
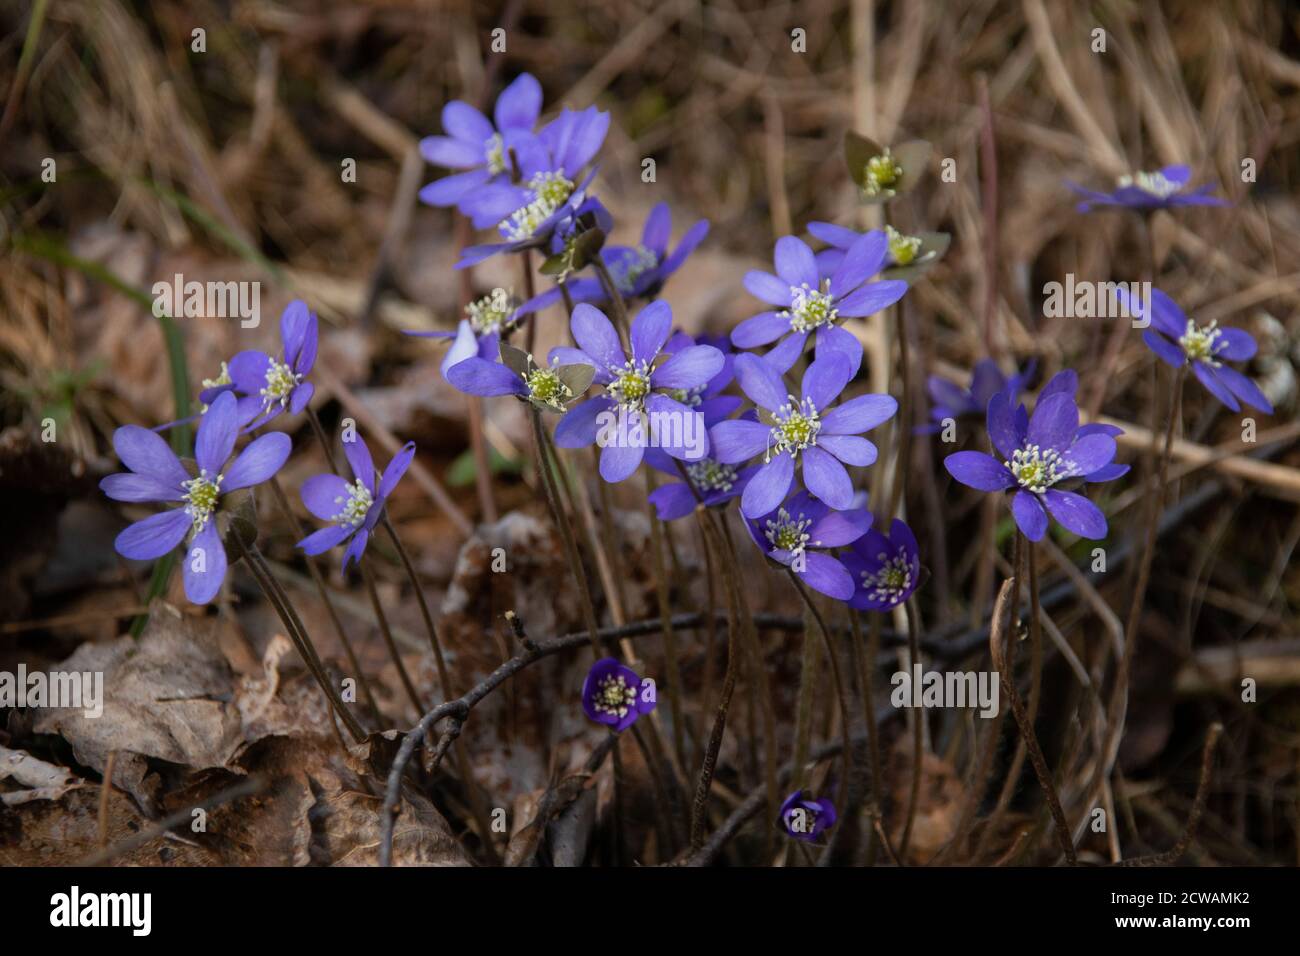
point(387, 632)
point(865, 663)
point(699, 808)
point(665, 616)
point(617, 305)
point(903, 452)
point(918, 732)
point(283, 501)
point(566, 532)
point(840, 694)
point(530, 290)
point(322, 439)
point(297, 633)
point(1156, 504)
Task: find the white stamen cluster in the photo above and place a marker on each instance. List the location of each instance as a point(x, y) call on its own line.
point(550, 191)
point(494, 152)
point(1037, 470)
point(786, 533)
point(690, 397)
point(811, 308)
point(281, 380)
point(631, 385)
point(614, 696)
point(709, 475)
point(201, 496)
point(795, 427)
point(1154, 183)
point(355, 505)
point(1200, 344)
point(544, 386)
point(626, 276)
point(222, 379)
point(891, 581)
point(902, 248)
point(490, 313)
point(881, 174)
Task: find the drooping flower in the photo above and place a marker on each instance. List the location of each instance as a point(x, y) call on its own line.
point(811, 301)
point(479, 333)
point(267, 386)
point(637, 409)
point(156, 474)
point(1177, 340)
point(479, 147)
point(798, 533)
point(638, 271)
point(804, 430)
point(1046, 451)
point(546, 389)
point(807, 819)
point(551, 187)
point(886, 569)
point(353, 508)
point(953, 401)
point(883, 172)
point(1160, 189)
point(907, 257)
point(615, 696)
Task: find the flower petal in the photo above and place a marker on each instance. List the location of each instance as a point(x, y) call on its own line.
point(218, 430)
point(862, 260)
point(849, 449)
point(1244, 389)
point(358, 456)
point(795, 263)
point(1090, 452)
point(760, 329)
point(833, 339)
point(838, 528)
point(476, 376)
point(356, 548)
point(1029, 514)
point(825, 379)
point(650, 330)
point(1235, 344)
point(205, 565)
point(978, 470)
point(672, 501)
point(595, 335)
point(619, 462)
point(1167, 351)
point(466, 123)
point(1217, 388)
point(260, 459)
point(154, 536)
point(1054, 422)
point(580, 424)
point(146, 453)
point(395, 470)
point(765, 286)
point(1003, 433)
point(826, 575)
point(658, 228)
point(768, 487)
point(519, 104)
point(826, 478)
point(1076, 513)
point(451, 153)
point(689, 368)
point(871, 298)
point(760, 382)
point(128, 486)
point(738, 440)
point(859, 414)
point(318, 542)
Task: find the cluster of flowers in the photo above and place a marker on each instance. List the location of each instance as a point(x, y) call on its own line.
point(780, 445)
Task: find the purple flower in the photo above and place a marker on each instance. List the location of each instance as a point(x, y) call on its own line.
point(952, 401)
point(908, 257)
point(806, 819)
point(546, 389)
point(1041, 453)
point(479, 334)
point(613, 695)
point(550, 190)
point(477, 146)
point(353, 508)
point(635, 390)
point(813, 301)
point(804, 428)
point(157, 475)
point(638, 271)
point(1205, 346)
point(1066, 382)
point(886, 569)
point(1160, 189)
point(796, 534)
point(267, 386)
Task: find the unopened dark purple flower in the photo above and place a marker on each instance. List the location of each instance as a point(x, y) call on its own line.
point(637, 409)
point(479, 147)
point(352, 507)
point(546, 389)
point(267, 386)
point(551, 187)
point(1160, 189)
point(812, 302)
point(807, 819)
point(1177, 340)
point(1040, 454)
point(798, 533)
point(886, 569)
point(953, 401)
point(157, 475)
point(615, 696)
point(804, 430)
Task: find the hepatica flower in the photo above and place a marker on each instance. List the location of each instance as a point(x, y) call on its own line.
point(353, 508)
point(1161, 189)
point(907, 257)
point(806, 819)
point(478, 146)
point(546, 389)
point(810, 303)
point(270, 385)
point(1041, 454)
point(886, 569)
point(1177, 340)
point(797, 534)
point(802, 430)
point(613, 695)
point(487, 320)
point(951, 400)
point(638, 389)
point(157, 475)
point(550, 190)
point(884, 172)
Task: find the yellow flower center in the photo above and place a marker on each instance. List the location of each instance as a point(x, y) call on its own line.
point(631, 385)
point(882, 174)
point(614, 696)
point(1037, 470)
point(710, 475)
point(544, 386)
point(550, 191)
point(355, 505)
point(1154, 183)
point(201, 496)
point(281, 380)
point(1200, 344)
point(795, 427)
point(902, 248)
point(811, 308)
point(786, 533)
